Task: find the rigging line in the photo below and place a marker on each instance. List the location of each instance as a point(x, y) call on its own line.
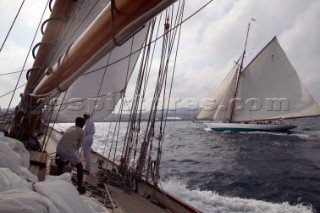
point(171, 44)
point(100, 87)
point(133, 112)
point(117, 131)
point(46, 140)
point(102, 79)
point(83, 99)
point(173, 73)
point(159, 86)
point(157, 38)
point(12, 90)
point(122, 96)
point(56, 118)
point(9, 73)
point(142, 79)
point(5, 40)
point(50, 55)
point(149, 133)
point(149, 69)
point(57, 46)
point(114, 9)
point(117, 126)
point(25, 61)
point(126, 82)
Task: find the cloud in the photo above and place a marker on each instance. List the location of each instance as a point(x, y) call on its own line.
point(16, 48)
point(211, 40)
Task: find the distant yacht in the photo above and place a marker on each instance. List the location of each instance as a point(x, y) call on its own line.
point(261, 96)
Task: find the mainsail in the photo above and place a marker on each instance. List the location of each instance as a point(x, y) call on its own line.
point(269, 88)
point(91, 60)
point(99, 88)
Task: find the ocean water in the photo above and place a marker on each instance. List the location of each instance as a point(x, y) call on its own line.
point(237, 172)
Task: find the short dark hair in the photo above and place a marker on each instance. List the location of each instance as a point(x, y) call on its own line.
point(80, 122)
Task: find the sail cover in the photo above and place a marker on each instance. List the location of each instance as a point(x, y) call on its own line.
point(269, 88)
point(99, 88)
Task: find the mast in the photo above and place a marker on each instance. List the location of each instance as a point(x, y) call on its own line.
point(239, 69)
point(116, 23)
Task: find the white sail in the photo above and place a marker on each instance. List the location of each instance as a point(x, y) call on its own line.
point(217, 106)
point(98, 89)
point(269, 88)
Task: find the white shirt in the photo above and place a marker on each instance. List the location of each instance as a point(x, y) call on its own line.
point(89, 128)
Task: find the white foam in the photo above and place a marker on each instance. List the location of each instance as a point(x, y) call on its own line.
point(208, 201)
point(207, 129)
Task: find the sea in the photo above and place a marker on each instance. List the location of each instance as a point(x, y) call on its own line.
point(237, 172)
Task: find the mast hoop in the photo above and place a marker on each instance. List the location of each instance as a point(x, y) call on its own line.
point(30, 70)
point(49, 19)
point(37, 45)
point(50, 5)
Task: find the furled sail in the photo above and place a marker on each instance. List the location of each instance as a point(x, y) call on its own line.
point(269, 88)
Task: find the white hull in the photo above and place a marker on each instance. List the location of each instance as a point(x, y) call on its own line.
point(238, 127)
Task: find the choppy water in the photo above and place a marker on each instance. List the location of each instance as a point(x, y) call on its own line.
point(239, 172)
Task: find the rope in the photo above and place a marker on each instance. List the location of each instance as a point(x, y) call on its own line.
point(156, 39)
point(137, 105)
point(9, 73)
point(24, 64)
point(5, 40)
point(59, 44)
point(46, 143)
point(12, 91)
point(170, 91)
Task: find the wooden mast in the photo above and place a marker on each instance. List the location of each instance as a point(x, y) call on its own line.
point(239, 70)
point(121, 17)
point(25, 123)
point(100, 33)
point(58, 17)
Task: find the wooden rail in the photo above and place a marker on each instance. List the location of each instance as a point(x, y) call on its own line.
point(38, 164)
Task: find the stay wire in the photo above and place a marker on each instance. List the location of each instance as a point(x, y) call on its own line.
point(157, 38)
point(5, 40)
point(171, 85)
point(142, 85)
point(24, 64)
point(122, 98)
point(58, 45)
point(132, 134)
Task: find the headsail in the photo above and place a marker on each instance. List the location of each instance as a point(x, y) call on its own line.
point(217, 107)
point(269, 88)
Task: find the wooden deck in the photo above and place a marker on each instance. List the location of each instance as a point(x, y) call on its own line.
point(133, 202)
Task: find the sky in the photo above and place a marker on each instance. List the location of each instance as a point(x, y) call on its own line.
point(210, 42)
